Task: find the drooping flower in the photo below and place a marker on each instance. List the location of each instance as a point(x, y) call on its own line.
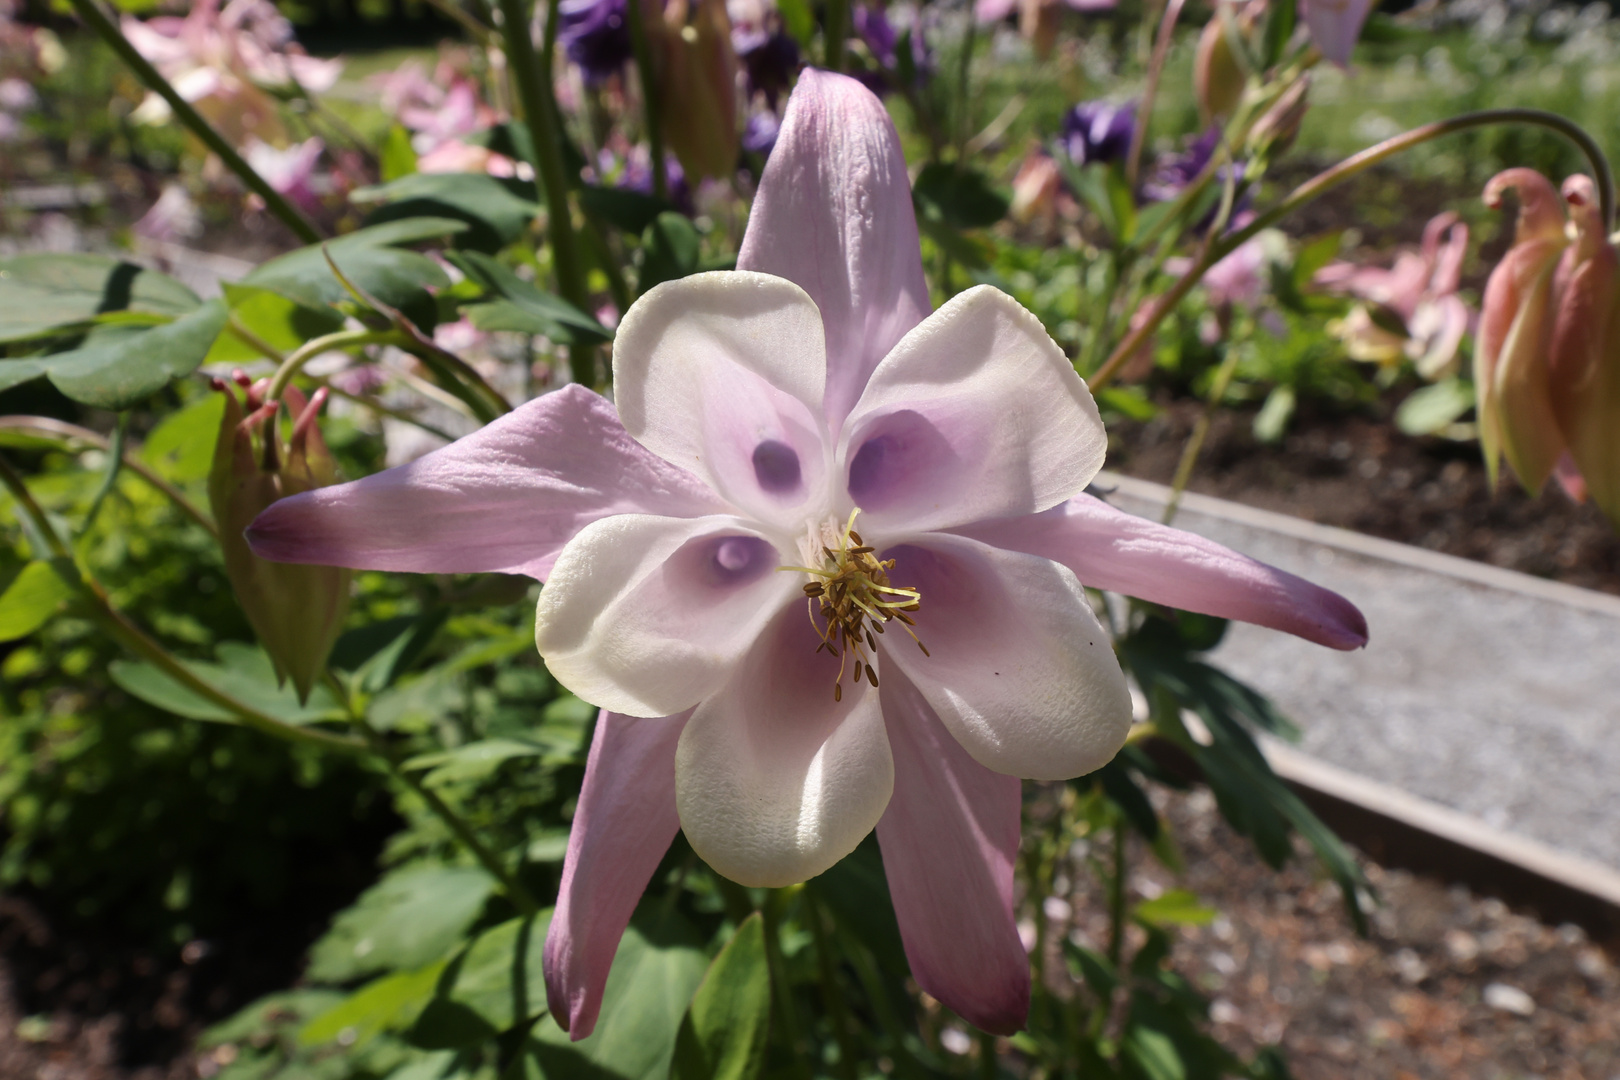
point(1511, 365)
point(1038, 19)
point(1335, 25)
point(291, 172)
point(296, 611)
point(1218, 78)
point(883, 40)
point(697, 76)
point(803, 434)
point(596, 35)
point(1421, 290)
point(1584, 355)
point(1098, 131)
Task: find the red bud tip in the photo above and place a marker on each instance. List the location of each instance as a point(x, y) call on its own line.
point(241, 378)
point(217, 384)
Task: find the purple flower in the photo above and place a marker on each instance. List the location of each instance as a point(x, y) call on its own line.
point(1174, 172)
point(882, 40)
point(759, 134)
point(596, 36)
point(1099, 131)
point(637, 176)
point(682, 528)
point(770, 59)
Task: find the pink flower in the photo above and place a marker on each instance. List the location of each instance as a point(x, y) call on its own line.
point(291, 172)
point(1335, 25)
point(756, 410)
point(221, 61)
point(1422, 289)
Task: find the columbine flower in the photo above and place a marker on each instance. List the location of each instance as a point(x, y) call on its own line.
point(221, 59)
point(1335, 25)
point(1421, 290)
point(596, 35)
point(1511, 369)
point(807, 475)
point(1585, 355)
point(291, 172)
point(1098, 131)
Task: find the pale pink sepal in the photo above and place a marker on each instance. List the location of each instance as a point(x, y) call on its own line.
point(624, 823)
point(505, 498)
point(834, 216)
point(949, 840)
point(1110, 549)
point(1335, 25)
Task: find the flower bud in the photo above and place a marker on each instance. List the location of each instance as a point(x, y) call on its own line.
point(296, 610)
point(1511, 370)
point(1279, 125)
point(1035, 188)
point(1585, 354)
point(698, 81)
point(1218, 78)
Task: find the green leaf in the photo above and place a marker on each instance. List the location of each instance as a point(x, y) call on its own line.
point(1177, 907)
point(496, 211)
point(371, 258)
point(659, 964)
point(1129, 401)
point(1122, 790)
point(243, 671)
point(670, 249)
point(390, 1003)
point(31, 599)
point(117, 366)
point(476, 760)
point(1096, 969)
point(626, 210)
point(279, 322)
point(396, 157)
point(1271, 422)
point(724, 1033)
point(410, 918)
point(798, 19)
point(528, 308)
point(497, 982)
point(1435, 407)
point(182, 446)
point(958, 196)
point(1279, 29)
point(42, 293)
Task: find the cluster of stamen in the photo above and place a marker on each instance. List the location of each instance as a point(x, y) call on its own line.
point(852, 593)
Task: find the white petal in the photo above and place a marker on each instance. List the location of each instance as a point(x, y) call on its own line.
point(646, 616)
point(774, 780)
point(975, 414)
point(1019, 670)
point(723, 374)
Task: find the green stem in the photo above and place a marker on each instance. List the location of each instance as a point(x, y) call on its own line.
point(836, 34)
point(1116, 897)
point(1195, 443)
point(340, 339)
point(136, 640)
point(1327, 180)
point(115, 463)
point(383, 410)
point(68, 434)
point(831, 996)
point(964, 79)
point(781, 989)
point(1144, 110)
point(90, 11)
point(540, 114)
point(652, 107)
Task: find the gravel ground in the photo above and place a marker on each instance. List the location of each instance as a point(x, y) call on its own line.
point(1449, 985)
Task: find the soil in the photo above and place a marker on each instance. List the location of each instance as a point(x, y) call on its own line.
point(1446, 986)
point(1358, 471)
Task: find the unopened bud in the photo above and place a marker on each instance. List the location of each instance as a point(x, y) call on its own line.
point(1585, 353)
point(1279, 125)
point(1511, 356)
point(1218, 78)
point(698, 81)
point(296, 610)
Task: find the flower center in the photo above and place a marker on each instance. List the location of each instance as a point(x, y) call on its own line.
point(855, 598)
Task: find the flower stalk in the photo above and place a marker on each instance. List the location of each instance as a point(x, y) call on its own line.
point(1215, 250)
point(288, 214)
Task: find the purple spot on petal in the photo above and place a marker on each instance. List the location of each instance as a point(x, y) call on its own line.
point(900, 461)
point(776, 466)
point(720, 562)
